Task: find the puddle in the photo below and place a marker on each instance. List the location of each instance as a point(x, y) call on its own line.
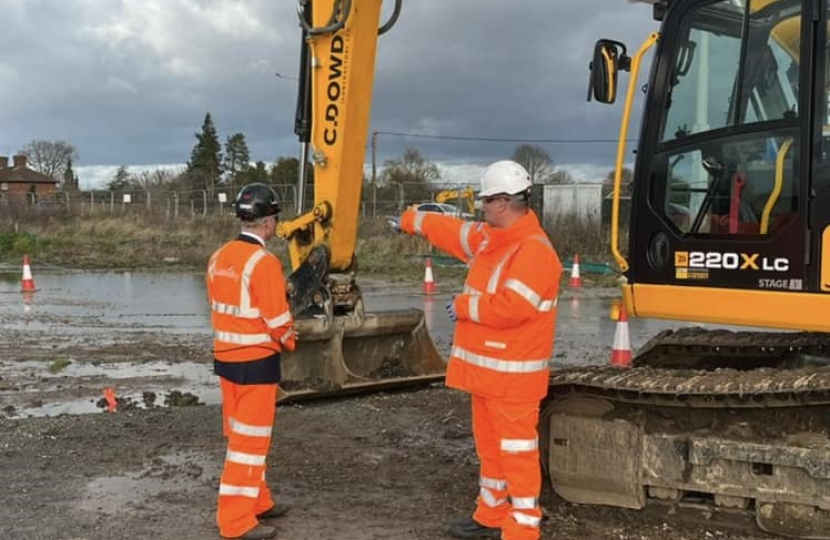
point(29, 389)
point(90, 300)
point(112, 494)
point(112, 319)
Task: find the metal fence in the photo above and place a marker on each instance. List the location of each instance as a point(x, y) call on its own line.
point(194, 204)
point(171, 204)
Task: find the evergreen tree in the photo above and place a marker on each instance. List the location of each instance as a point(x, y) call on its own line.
point(205, 163)
point(237, 157)
point(286, 171)
point(284, 176)
point(121, 180)
point(70, 180)
point(259, 173)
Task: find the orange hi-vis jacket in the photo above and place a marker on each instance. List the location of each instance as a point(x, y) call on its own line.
point(251, 318)
point(507, 312)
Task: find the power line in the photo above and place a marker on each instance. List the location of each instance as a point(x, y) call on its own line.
point(500, 139)
point(284, 77)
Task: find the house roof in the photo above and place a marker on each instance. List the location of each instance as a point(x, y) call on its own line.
point(24, 174)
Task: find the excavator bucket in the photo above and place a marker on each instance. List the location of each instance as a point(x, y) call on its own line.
point(345, 355)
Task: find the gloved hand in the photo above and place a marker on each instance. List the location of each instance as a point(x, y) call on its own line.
point(289, 340)
point(395, 223)
point(453, 316)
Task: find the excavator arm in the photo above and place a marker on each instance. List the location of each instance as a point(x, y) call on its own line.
point(343, 349)
point(464, 196)
point(333, 111)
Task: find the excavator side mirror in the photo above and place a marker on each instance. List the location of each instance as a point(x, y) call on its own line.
point(609, 58)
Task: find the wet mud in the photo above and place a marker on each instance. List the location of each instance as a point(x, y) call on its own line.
point(393, 465)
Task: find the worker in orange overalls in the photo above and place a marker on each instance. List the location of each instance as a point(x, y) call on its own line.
point(252, 325)
point(505, 324)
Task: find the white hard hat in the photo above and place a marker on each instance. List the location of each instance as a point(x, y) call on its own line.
point(504, 177)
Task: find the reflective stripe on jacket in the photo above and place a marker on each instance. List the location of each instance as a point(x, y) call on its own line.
point(250, 312)
point(507, 312)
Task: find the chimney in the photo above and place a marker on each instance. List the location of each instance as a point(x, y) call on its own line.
point(19, 160)
point(4, 162)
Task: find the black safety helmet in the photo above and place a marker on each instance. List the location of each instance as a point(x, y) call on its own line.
point(256, 201)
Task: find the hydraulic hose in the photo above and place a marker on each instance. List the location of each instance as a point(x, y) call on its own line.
point(334, 25)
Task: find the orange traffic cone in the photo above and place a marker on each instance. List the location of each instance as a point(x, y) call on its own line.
point(621, 350)
point(429, 278)
point(576, 280)
point(28, 282)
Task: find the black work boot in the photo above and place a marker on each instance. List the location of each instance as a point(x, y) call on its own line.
point(470, 528)
point(260, 532)
point(278, 510)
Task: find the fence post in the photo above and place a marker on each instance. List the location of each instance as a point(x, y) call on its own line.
point(148, 201)
point(112, 201)
point(175, 205)
point(204, 203)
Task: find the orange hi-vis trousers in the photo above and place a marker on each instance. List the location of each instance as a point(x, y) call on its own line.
point(507, 444)
point(248, 413)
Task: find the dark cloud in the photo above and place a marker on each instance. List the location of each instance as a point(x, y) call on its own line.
point(129, 81)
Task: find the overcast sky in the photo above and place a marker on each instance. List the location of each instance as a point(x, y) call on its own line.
point(129, 81)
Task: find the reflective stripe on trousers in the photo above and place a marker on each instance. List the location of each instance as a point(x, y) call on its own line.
point(248, 416)
point(510, 478)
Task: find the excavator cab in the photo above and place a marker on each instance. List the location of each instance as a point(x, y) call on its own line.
point(343, 349)
point(730, 184)
point(729, 225)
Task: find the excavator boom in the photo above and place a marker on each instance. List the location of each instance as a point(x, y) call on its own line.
point(343, 349)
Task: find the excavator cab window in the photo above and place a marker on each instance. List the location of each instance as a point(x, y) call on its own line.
point(730, 130)
point(821, 176)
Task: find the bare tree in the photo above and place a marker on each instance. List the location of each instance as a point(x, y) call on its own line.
point(154, 180)
point(50, 157)
point(411, 173)
point(536, 160)
point(625, 182)
point(560, 176)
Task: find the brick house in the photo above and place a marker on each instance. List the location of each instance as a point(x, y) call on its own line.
point(20, 184)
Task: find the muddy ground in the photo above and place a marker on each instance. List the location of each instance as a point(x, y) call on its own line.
point(374, 467)
point(384, 466)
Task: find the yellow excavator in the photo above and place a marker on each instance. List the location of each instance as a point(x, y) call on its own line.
point(465, 197)
point(344, 348)
point(730, 225)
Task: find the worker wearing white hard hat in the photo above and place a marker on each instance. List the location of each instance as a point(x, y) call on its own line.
point(505, 323)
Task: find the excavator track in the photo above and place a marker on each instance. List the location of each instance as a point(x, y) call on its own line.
point(721, 388)
point(747, 441)
point(698, 347)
